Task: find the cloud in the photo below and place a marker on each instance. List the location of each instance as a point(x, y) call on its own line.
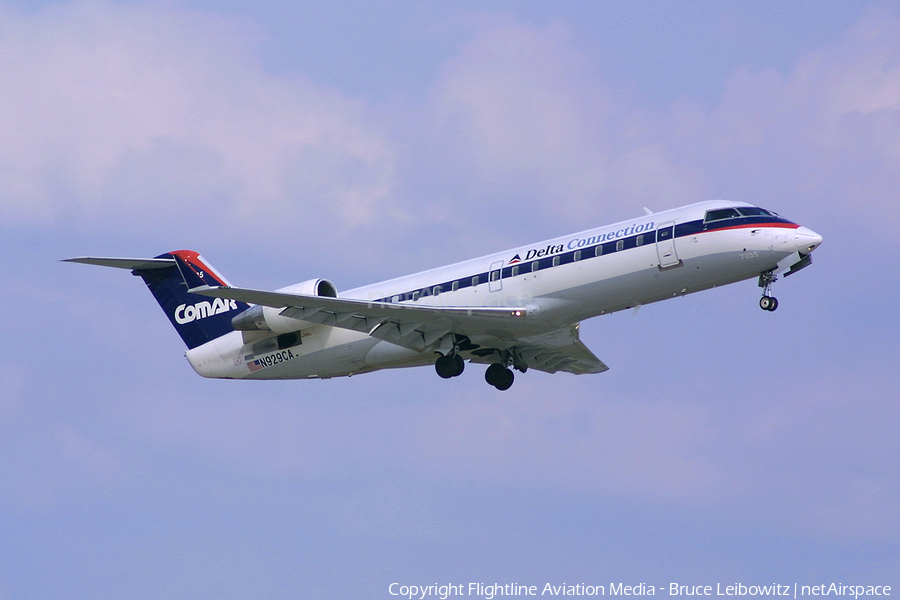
point(146, 111)
point(826, 133)
point(532, 116)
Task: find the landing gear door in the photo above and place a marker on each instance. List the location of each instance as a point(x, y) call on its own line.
point(665, 245)
point(495, 276)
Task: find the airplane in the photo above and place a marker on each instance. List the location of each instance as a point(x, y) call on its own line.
point(513, 310)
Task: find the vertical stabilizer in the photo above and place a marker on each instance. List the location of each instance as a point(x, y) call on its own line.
point(197, 319)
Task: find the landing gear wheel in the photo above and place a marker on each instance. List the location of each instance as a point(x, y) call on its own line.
point(495, 374)
point(444, 367)
point(766, 279)
point(499, 376)
point(510, 377)
point(460, 365)
point(451, 365)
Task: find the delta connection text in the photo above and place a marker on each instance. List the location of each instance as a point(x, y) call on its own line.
point(489, 591)
point(581, 242)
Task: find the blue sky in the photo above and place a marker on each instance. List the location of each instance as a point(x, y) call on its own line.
point(362, 141)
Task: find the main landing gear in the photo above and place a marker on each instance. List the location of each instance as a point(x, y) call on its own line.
point(768, 301)
point(499, 376)
point(449, 365)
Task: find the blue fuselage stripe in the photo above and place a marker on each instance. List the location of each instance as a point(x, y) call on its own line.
point(588, 252)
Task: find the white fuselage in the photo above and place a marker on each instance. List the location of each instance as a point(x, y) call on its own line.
point(560, 281)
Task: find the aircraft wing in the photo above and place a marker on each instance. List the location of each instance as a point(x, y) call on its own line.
point(422, 327)
point(411, 326)
point(558, 350)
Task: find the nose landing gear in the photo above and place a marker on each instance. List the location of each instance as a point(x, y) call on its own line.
point(768, 301)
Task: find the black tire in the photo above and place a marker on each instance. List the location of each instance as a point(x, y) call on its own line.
point(460, 365)
point(494, 374)
point(510, 377)
point(765, 303)
point(445, 367)
point(774, 304)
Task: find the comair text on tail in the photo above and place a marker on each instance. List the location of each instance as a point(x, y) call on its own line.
point(512, 311)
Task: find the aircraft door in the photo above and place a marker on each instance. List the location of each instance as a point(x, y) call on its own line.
point(495, 276)
point(665, 245)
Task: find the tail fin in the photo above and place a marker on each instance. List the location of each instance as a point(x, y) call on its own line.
point(198, 319)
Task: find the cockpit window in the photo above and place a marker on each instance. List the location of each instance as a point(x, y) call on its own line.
point(754, 211)
point(720, 214)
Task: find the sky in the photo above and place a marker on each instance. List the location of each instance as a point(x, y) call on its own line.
point(360, 141)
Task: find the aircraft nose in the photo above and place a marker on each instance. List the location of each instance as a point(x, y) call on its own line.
point(807, 240)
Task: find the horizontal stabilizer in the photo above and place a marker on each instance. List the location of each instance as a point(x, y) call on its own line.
point(139, 264)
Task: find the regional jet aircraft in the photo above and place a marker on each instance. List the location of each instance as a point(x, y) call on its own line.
point(514, 310)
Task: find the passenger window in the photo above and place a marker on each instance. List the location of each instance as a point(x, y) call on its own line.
point(515, 271)
point(415, 296)
point(395, 299)
point(598, 250)
point(535, 266)
point(556, 261)
point(620, 245)
point(495, 275)
point(475, 281)
point(436, 290)
point(454, 286)
point(640, 240)
point(577, 255)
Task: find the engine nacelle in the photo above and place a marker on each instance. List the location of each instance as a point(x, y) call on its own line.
point(266, 318)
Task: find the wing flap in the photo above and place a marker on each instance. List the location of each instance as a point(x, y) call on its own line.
point(575, 359)
point(559, 350)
